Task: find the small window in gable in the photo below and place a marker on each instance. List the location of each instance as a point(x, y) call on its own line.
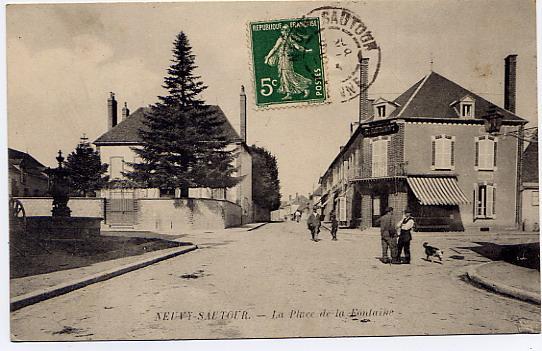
point(381, 111)
point(466, 107)
point(383, 108)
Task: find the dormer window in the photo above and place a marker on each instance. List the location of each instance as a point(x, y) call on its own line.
point(381, 111)
point(466, 107)
point(383, 108)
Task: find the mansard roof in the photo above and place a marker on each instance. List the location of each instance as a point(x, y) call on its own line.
point(435, 96)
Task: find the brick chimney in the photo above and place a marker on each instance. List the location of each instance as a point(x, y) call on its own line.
point(243, 115)
point(111, 111)
point(125, 111)
point(510, 83)
point(364, 94)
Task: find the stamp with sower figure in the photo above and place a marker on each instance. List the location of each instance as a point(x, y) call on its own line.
point(287, 62)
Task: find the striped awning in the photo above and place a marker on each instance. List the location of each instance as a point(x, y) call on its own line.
point(437, 190)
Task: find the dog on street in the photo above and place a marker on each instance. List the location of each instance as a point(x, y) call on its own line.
point(431, 252)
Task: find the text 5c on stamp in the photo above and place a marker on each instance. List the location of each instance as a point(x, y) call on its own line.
point(287, 62)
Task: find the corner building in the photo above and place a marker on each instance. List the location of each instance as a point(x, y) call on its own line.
point(429, 150)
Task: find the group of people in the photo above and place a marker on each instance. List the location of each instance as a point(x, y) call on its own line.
point(314, 223)
point(395, 237)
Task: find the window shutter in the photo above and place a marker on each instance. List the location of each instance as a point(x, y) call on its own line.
point(477, 153)
point(452, 151)
point(495, 153)
point(475, 202)
point(494, 201)
point(489, 201)
point(433, 152)
point(342, 209)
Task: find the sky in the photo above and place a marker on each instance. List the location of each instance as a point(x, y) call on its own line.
point(64, 59)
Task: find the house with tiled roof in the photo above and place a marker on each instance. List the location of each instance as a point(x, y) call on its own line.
point(26, 175)
point(116, 147)
point(430, 150)
point(530, 213)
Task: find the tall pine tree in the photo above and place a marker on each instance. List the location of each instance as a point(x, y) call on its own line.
point(184, 142)
point(85, 170)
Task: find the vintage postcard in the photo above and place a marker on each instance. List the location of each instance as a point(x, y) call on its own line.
point(242, 170)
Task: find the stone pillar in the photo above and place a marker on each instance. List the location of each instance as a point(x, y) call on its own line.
point(399, 202)
point(366, 212)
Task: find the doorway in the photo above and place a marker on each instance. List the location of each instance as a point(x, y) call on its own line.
point(379, 205)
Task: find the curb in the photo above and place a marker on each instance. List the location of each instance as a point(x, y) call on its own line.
point(256, 227)
point(501, 288)
point(21, 301)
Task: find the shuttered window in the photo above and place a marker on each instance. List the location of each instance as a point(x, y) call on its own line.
point(379, 162)
point(342, 209)
point(485, 158)
point(485, 200)
point(116, 167)
point(442, 153)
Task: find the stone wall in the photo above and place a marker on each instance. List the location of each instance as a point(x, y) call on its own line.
point(177, 216)
point(80, 206)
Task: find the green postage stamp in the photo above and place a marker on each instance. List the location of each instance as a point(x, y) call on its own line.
point(287, 62)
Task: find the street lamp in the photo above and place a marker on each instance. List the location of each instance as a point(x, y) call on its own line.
point(493, 120)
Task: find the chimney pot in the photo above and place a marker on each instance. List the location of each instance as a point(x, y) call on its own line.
point(111, 111)
point(125, 111)
point(243, 115)
point(510, 83)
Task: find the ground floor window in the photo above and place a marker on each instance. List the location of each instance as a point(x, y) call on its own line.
point(484, 200)
point(534, 198)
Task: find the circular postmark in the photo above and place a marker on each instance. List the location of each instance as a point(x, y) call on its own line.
point(350, 51)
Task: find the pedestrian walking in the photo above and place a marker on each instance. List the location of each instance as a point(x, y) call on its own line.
point(297, 216)
point(405, 227)
point(334, 225)
point(313, 223)
point(388, 236)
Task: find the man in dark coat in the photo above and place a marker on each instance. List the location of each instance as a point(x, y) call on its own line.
point(334, 225)
point(388, 234)
point(313, 223)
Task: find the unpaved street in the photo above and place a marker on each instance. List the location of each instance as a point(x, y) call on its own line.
point(275, 282)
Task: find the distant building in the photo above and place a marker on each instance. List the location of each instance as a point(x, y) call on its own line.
point(26, 175)
point(429, 150)
point(116, 149)
point(530, 212)
point(287, 208)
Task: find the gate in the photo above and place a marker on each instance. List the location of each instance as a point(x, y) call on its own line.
point(121, 209)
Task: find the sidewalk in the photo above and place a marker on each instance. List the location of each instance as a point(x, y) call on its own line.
point(508, 279)
point(28, 290)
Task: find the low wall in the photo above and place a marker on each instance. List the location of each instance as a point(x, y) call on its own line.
point(80, 206)
point(63, 227)
point(261, 214)
point(177, 216)
point(163, 215)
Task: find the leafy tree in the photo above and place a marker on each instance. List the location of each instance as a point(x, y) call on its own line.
point(85, 170)
point(265, 179)
point(184, 141)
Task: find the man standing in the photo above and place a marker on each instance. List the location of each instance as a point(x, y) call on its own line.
point(388, 234)
point(405, 226)
point(313, 223)
point(334, 225)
